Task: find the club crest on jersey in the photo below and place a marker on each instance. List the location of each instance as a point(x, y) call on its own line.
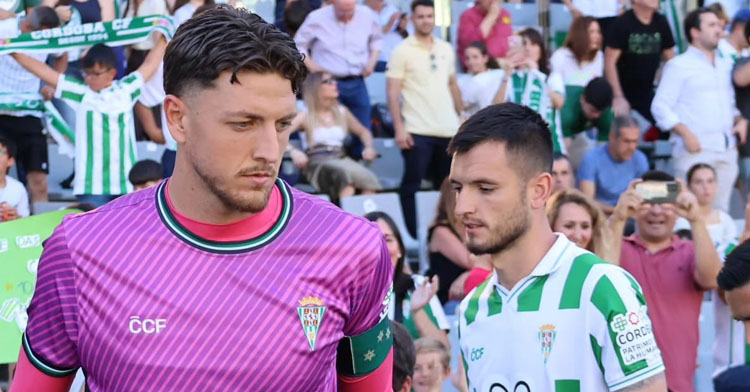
point(311, 311)
point(547, 336)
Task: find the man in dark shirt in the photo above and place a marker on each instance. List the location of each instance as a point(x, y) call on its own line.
point(637, 43)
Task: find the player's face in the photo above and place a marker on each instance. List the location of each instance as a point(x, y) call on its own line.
point(703, 185)
point(655, 221)
point(429, 372)
point(394, 249)
point(575, 222)
point(491, 199)
point(235, 135)
point(739, 302)
point(562, 173)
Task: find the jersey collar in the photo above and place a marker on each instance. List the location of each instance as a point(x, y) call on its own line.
point(207, 245)
point(551, 261)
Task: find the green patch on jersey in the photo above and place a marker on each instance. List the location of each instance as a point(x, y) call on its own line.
point(571, 295)
point(567, 386)
point(530, 299)
point(473, 308)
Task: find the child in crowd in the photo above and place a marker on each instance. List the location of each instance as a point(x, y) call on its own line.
point(104, 134)
point(14, 201)
point(432, 367)
point(145, 173)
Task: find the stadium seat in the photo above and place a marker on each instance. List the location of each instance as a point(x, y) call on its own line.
point(149, 150)
point(522, 15)
point(376, 88)
point(427, 202)
point(265, 9)
point(60, 168)
point(48, 206)
point(560, 19)
point(389, 166)
point(385, 202)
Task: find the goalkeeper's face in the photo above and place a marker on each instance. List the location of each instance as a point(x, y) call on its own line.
point(234, 135)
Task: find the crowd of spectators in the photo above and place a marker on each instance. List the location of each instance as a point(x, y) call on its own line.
point(628, 73)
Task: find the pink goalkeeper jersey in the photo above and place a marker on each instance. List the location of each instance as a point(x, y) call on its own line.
point(140, 303)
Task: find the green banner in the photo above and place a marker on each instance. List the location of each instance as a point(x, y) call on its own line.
point(20, 248)
point(115, 33)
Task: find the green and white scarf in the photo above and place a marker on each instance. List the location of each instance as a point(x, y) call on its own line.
point(118, 32)
point(53, 121)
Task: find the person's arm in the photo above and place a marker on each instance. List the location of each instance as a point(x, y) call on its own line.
point(359, 130)
point(741, 75)
point(446, 243)
point(153, 59)
point(41, 70)
point(458, 103)
point(490, 19)
point(502, 92)
point(588, 188)
point(30, 379)
point(108, 10)
point(146, 116)
point(611, 57)
point(61, 63)
point(573, 10)
point(667, 54)
point(707, 263)
point(626, 208)
point(389, 26)
point(304, 39)
point(374, 45)
point(5, 14)
point(403, 138)
point(419, 300)
point(556, 99)
point(665, 101)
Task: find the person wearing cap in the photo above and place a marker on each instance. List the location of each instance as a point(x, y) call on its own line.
point(734, 46)
point(734, 290)
point(696, 102)
point(620, 155)
point(586, 109)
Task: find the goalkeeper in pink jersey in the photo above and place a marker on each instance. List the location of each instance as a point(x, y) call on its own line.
point(222, 277)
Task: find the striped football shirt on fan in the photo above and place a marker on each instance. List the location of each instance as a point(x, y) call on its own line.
point(127, 293)
point(104, 133)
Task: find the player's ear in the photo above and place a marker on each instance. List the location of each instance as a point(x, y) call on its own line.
point(175, 111)
point(539, 190)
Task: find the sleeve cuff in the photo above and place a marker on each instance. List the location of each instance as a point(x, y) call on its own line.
point(43, 365)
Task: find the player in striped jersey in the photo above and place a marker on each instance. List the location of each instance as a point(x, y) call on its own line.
point(552, 317)
point(104, 134)
point(222, 278)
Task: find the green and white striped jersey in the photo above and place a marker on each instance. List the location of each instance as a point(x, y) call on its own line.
point(104, 134)
point(529, 88)
point(577, 323)
point(433, 309)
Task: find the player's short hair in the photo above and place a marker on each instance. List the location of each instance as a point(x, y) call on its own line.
point(736, 270)
point(145, 171)
point(558, 156)
point(9, 145)
point(404, 356)
point(430, 345)
point(227, 39)
point(524, 133)
point(43, 17)
point(598, 93)
point(424, 3)
point(99, 54)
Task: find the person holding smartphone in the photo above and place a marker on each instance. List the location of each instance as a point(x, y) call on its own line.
point(673, 272)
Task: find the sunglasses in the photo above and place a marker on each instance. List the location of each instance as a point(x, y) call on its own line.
point(328, 81)
point(433, 65)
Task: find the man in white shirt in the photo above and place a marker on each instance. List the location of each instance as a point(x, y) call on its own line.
point(695, 101)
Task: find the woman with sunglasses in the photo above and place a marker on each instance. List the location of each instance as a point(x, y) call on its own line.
point(327, 124)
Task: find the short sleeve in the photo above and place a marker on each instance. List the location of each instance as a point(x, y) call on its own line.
point(666, 33)
point(642, 163)
point(587, 169)
point(51, 336)
point(372, 291)
point(23, 201)
point(436, 314)
point(618, 36)
point(152, 92)
point(604, 124)
point(396, 68)
point(70, 89)
point(132, 84)
point(620, 330)
point(555, 83)
point(557, 60)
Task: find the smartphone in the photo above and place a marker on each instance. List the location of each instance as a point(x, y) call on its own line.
point(658, 192)
point(515, 41)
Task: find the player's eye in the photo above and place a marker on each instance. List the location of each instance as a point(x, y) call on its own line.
point(284, 125)
point(243, 125)
point(486, 190)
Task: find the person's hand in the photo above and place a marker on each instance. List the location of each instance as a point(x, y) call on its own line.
point(686, 204)
point(48, 92)
point(369, 154)
point(620, 106)
point(404, 140)
point(64, 13)
point(299, 158)
point(629, 203)
point(424, 293)
point(740, 129)
point(8, 213)
point(369, 69)
point(692, 144)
